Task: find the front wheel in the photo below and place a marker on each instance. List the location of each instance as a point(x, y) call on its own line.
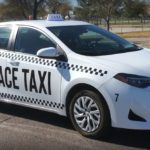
point(89, 114)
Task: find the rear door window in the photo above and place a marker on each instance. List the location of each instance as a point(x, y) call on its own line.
point(5, 33)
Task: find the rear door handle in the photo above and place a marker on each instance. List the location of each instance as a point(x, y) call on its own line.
point(14, 63)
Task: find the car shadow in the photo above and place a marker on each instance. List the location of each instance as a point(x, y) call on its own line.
point(35, 115)
point(131, 138)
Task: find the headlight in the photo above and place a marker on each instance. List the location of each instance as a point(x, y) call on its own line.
point(134, 80)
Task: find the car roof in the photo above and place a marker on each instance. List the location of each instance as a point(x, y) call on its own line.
point(45, 23)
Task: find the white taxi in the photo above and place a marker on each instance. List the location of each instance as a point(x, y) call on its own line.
point(75, 69)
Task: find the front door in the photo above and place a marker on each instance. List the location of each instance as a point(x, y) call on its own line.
point(36, 81)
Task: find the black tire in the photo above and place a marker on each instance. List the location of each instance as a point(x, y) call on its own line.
point(104, 123)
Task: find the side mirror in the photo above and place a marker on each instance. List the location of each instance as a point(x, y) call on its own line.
point(49, 52)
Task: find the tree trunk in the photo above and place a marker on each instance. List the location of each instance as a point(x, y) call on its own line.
point(34, 13)
point(108, 24)
point(35, 8)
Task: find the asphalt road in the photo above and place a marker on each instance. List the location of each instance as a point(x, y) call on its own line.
point(28, 129)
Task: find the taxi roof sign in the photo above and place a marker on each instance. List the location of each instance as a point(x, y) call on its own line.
point(55, 17)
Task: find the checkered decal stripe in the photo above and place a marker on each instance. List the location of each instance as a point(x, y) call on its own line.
point(33, 101)
point(53, 63)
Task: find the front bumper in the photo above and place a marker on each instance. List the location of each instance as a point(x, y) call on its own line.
point(122, 99)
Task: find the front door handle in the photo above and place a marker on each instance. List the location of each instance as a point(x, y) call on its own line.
point(14, 63)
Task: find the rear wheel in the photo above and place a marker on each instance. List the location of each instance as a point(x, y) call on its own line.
point(89, 114)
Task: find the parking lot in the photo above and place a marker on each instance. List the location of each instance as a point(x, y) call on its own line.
point(24, 128)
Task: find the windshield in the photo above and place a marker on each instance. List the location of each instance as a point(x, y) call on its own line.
point(91, 40)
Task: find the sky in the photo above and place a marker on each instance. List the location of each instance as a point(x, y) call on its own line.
point(74, 2)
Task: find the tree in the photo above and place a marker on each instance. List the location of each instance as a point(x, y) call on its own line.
point(101, 8)
point(83, 12)
point(10, 11)
point(106, 9)
point(24, 8)
point(20, 8)
point(59, 6)
point(64, 10)
point(30, 7)
point(135, 8)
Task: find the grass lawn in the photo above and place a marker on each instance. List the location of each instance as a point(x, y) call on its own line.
point(138, 34)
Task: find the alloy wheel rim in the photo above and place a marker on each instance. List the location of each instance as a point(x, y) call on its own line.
point(87, 114)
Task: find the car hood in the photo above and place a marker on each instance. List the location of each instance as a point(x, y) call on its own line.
point(137, 62)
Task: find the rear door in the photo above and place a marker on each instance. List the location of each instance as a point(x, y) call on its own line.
point(5, 75)
point(36, 81)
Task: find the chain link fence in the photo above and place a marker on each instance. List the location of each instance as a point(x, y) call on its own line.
point(123, 25)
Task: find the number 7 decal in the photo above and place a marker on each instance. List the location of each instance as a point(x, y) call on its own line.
point(117, 96)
